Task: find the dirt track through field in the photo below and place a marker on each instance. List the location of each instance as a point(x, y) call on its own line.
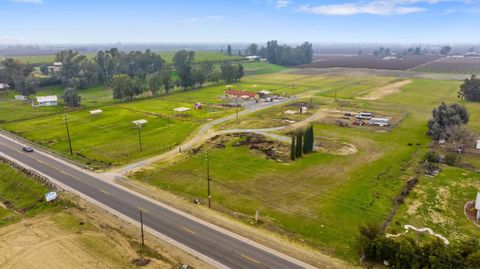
point(386, 90)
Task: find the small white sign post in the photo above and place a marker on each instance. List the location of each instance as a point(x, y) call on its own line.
point(50, 196)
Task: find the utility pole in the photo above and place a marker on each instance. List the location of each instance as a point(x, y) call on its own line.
point(139, 126)
point(208, 179)
point(142, 246)
point(65, 116)
point(237, 109)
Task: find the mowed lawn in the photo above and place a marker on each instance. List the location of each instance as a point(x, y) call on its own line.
point(321, 198)
point(108, 139)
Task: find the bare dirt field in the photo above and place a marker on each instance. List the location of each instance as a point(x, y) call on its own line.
point(364, 72)
point(49, 242)
point(452, 65)
point(373, 62)
point(389, 89)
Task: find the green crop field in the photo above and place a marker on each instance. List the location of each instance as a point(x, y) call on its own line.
point(200, 56)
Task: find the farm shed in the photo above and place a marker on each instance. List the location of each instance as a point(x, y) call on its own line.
point(264, 94)
point(241, 94)
point(477, 206)
point(96, 112)
point(20, 97)
point(50, 100)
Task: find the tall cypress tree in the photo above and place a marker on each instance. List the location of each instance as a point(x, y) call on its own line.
point(306, 141)
point(299, 141)
point(312, 138)
point(293, 148)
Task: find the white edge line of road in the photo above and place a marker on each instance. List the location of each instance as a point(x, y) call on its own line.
point(122, 216)
point(186, 215)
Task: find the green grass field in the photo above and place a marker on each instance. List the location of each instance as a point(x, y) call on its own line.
point(321, 198)
point(21, 195)
point(200, 56)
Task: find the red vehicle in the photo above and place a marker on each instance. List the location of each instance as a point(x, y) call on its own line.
point(358, 123)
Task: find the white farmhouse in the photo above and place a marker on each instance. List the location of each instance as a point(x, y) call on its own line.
point(50, 100)
point(252, 58)
point(4, 86)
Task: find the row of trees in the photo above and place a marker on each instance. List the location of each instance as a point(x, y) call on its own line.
point(286, 55)
point(282, 54)
point(126, 74)
point(18, 75)
point(406, 252)
point(302, 143)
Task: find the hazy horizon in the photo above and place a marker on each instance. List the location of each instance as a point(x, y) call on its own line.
point(51, 22)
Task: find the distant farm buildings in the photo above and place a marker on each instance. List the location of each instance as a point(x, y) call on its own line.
point(50, 100)
point(242, 94)
point(55, 67)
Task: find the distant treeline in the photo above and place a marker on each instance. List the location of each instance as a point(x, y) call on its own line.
point(132, 73)
point(283, 54)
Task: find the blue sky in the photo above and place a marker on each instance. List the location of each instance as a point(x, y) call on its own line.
point(183, 21)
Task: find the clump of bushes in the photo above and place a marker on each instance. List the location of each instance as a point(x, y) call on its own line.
point(432, 157)
point(451, 159)
point(406, 252)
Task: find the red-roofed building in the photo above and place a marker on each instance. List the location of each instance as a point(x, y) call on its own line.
point(241, 94)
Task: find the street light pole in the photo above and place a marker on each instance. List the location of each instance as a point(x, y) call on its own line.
point(65, 116)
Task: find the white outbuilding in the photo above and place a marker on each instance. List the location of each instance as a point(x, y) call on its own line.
point(96, 112)
point(477, 206)
point(50, 100)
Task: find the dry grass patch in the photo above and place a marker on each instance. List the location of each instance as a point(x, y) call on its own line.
point(389, 89)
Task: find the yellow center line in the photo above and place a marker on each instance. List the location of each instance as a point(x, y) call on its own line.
point(250, 259)
point(142, 209)
point(104, 191)
point(42, 162)
point(188, 230)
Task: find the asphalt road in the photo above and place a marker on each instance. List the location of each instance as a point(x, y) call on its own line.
point(230, 251)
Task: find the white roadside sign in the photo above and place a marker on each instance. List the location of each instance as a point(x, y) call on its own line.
point(50, 196)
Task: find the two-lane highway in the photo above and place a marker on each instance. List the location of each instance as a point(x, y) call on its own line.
point(213, 244)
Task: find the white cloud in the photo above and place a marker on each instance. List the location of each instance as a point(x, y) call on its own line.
point(28, 1)
point(282, 3)
point(189, 21)
point(375, 7)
